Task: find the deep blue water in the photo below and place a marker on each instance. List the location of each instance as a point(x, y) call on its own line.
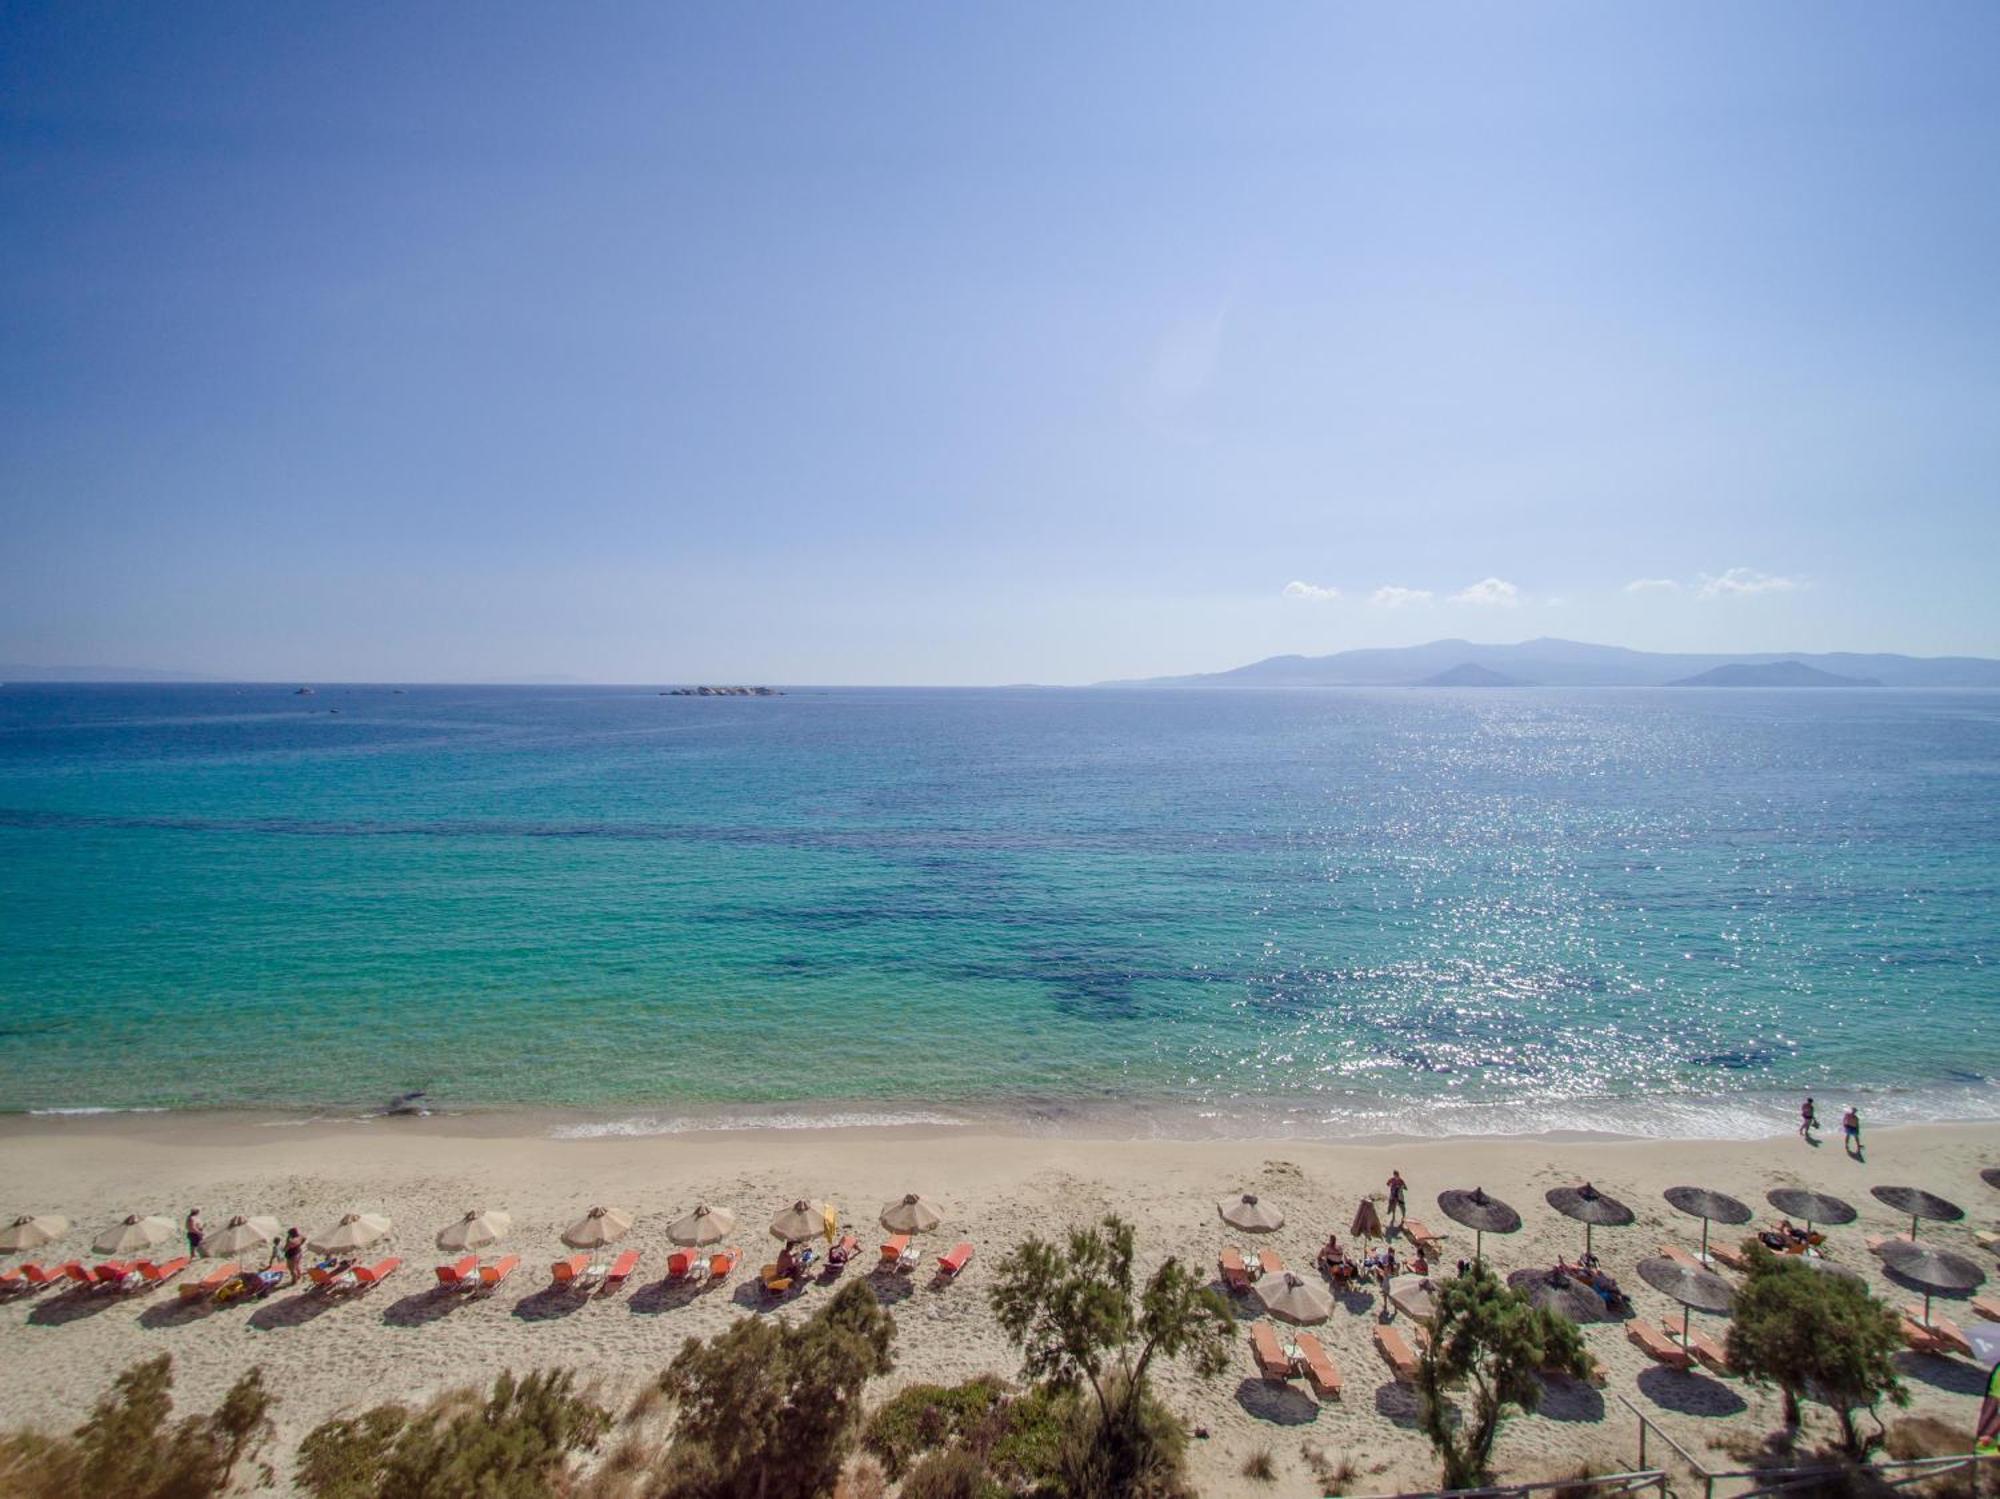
point(1309, 910)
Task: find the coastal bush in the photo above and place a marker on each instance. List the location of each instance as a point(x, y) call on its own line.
point(1489, 1338)
point(769, 1409)
point(928, 1416)
point(1081, 1321)
point(511, 1445)
point(956, 1473)
point(129, 1447)
point(1823, 1335)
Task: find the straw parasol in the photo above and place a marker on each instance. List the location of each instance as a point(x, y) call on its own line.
point(32, 1231)
point(1918, 1204)
point(1705, 1204)
point(1591, 1208)
point(705, 1225)
point(135, 1232)
point(1367, 1223)
point(1477, 1211)
point(1565, 1295)
point(1286, 1295)
point(1933, 1271)
point(354, 1231)
point(240, 1235)
point(799, 1222)
point(1813, 1207)
point(1250, 1215)
point(597, 1228)
point(476, 1230)
point(1695, 1290)
point(1413, 1296)
point(910, 1214)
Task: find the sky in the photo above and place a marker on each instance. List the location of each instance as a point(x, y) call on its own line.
point(1027, 342)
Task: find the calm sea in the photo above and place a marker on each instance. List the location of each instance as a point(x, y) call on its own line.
point(1261, 912)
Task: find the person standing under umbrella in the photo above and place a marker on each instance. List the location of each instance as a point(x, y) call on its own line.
point(1399, 1192)
point(295, 1253)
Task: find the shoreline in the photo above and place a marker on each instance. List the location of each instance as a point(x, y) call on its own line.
point(402, 1342)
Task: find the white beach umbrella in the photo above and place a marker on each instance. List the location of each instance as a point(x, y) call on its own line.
point(1250, 1215)
point(354, 1231)
point(705, 1225)
point(134, 1233)
point(476, 1230)
point(1288, 1296)
point(910, 1214)
point(241, 1235)
point(597, 1228)
point(801, 1221)
point(30, 1231)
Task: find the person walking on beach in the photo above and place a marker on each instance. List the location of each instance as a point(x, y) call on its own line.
point(195, 1232)
point(1850, 1125)
point(1399, 1191)
point(295, 1253)
point(1808, 1119)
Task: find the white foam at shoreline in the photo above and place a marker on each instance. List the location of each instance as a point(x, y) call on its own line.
point(100, 1109)
point(647, 1125)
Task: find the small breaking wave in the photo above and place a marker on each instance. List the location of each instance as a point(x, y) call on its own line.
point(99, 1109)
point(684, 1125)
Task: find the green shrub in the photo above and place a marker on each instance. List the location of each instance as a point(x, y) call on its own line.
point(925, 1417)
point(953, 1474)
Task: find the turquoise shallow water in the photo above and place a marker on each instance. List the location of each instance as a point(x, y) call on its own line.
point(1298, 911)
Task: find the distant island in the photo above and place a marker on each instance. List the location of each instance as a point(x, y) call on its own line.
point(1773, 674)
point(1550, 662)
point(722, 692)
point(1472, 674)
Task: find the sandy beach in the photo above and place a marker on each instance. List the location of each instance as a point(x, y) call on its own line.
point(401, 1341)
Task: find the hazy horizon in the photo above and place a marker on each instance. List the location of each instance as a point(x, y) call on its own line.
point(1030, 345)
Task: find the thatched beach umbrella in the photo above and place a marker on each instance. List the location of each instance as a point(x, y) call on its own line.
point(1703, 1203)
point(799, 1222)
point(1414, 1296)
point(1288, 1296)
point(705, 1225)
point(598, 1227)
point(1932, 1271)
point(240, 1235)
point(1482, 1214)
point(354, 1231)
point(1695, 1290)
point(911, 1214)
point(134, 1233)
point(1918, 1204)
point(1251, 1215)
point(1563, 1294)
point(477, 1229)
point(1813, 1207)
point(1591, 1208)
point(32, 1231)
point(1367, 1222)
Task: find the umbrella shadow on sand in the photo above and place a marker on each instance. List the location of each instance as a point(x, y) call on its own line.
point(1566, 1399)
point(1690, 1394)
point(893, 1290)
point(549, 1303)
point(421, 1308)
point(1940, 1373)
point(71, 1306)
point(657, 1296)
point(1397, 1402)
point(289, 1311)
point(176, 1313)
point(1279, 1404)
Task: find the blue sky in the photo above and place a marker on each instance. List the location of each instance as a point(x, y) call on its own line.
point(955, 344)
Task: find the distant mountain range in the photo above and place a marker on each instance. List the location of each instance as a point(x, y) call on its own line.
point(1573, 663)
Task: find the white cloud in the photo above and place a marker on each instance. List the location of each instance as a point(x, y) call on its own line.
point(1652, 585)
point(1741, 582)
point(1297, 590)
point(1389, 596)
point(1492, 592)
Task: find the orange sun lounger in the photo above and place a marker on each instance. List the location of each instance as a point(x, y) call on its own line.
point(1396, 1353)
point(894, 1253)
point(1656, 1345)
point(622, 1268)
point(1731, 1256)
point(1942, 1334)
point(681, 1263)
point(1271, 1360)
point(45, 1275)
point(458, 1274)
point(151, 1275)
point(774, 1284)
point(373, 1275)
point(210, 1283)
point(1707, 1352)
point(1319, 1369)
point(1681, 1257)
point(950, 1264)
point(1985, 1308)
point(1428, 1243)
point(491, 1275)
point(566, 1273)
point(1235, 1274)
point(1268, 1262)
point(722, 1265)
